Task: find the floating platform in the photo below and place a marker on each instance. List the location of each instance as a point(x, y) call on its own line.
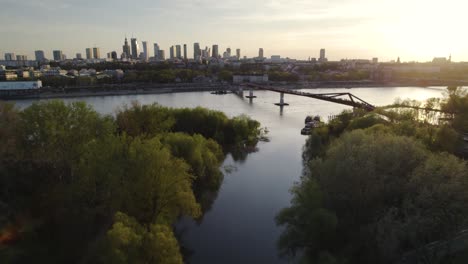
point(250, 97)
point(282, 104)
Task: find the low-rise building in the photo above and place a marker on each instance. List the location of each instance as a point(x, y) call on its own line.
point(20, 85)
point(8, 75)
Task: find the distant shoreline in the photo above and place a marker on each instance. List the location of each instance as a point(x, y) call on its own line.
point(142, 89)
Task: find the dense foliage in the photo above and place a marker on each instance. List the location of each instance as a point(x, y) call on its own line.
point(377, 189)
point(99, 189)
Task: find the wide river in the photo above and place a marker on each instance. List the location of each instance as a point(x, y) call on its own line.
point(240, 227)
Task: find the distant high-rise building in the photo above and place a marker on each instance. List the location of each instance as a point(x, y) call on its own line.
point(156, 51)
point(161, 55)
point(135, 48)
point(196, 51)
point(322, 56)
point(171, 52)
point(114, 55)
point(10, 56)
point(126, 49)
point(89, 53)
point(205, 53)
point(260, 53)
point(238, 54)
point(228, 50)
point(96, 53)
point(109, 55)
point(215, 51)
point(185, 51)
point(145, 50)
point(21, 57)
point(79, 56)
point(58, 55)
point(39, 54)
point(178, 52)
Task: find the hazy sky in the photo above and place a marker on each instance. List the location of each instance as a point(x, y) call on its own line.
point(411, 29)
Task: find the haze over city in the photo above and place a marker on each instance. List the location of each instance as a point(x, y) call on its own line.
point(413, 30)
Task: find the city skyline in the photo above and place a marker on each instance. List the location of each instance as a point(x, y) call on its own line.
point(414, 31)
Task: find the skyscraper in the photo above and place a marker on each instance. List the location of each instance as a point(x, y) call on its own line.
point(156, 51)
point(21, 57)
point(178, 52)
point(196, 51)
point(145, 50)
point(39, 54)
point(185, 51)
point(171, 52)
point(215, 51)
point(126, 49)
point(322, 56)
point(96, 53)
point(89, 53)
point(260, 53)
point(161, 55)
point(79, 56)
point(228, 50)
point(10, 56)
point(135, 48)
point(114, 55)
point(58, 55)
point(238, 54)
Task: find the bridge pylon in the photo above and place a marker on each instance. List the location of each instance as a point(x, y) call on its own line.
point(282, 103)
point(251, 95)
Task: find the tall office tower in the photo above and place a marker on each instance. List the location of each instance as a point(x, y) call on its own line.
point(161, 55)
point(156, 51)
point(126, 49)
point(89, 53)
point(238, 55)
point(96, 53)
point(10, 56)
point(178, 52)
point(109, 55)
point(58, 55)
point(39, 54)
point(206, 53)
point(322, 55)
point(215, 51)
point(260, 53)
point(145, 50)
point(196, 51)
point(21, 57)
point(135, 49)
point(79, 56)
point(185, 51)
point(228, 50)
point(114, 55)
point(171, 52)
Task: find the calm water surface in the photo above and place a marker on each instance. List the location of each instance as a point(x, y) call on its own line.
point(240, 226)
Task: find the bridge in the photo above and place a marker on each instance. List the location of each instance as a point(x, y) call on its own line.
point(339, 98)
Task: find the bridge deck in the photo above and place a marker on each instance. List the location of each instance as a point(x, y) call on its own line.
point(349, 99)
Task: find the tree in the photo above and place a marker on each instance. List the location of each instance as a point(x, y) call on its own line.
point(388, 194)
point(129, 242)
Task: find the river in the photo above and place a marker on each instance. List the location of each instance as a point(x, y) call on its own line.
point(240, 226)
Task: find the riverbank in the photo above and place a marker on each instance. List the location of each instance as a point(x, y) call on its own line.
point(144, 88)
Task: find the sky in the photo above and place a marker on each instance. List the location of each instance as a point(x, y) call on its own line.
point(414, 30)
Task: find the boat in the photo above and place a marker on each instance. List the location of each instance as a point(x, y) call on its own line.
point(311, 123)
point(306, 131)
point(309, 119)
